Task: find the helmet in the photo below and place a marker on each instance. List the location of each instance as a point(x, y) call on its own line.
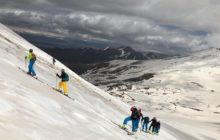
point(30, 50)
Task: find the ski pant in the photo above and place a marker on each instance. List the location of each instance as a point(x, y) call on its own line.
point(156, 130)
point(134, 123)
point(145, 126)
point(152, 126)
point(62, 84)
point(31, 68)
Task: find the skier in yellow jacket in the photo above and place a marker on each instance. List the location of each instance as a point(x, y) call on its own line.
point(31, 58)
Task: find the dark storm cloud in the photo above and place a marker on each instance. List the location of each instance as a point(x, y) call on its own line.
point(167, 25)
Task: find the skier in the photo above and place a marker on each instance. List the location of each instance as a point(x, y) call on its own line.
point(153, 124)
point(54, 60)
point(62, 84)
point(145, 123)
point(157, 128)
point(32, 58)
point(134, 117)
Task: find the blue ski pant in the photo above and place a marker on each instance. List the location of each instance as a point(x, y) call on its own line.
point(145, 126)
point(156, 130)
point(31, 68)
point(134, 123)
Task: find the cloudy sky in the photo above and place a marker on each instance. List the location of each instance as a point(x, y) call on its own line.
point(160, 25)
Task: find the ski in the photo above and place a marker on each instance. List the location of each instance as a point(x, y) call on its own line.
point(30, 75)
point(125, 129)
point(60, 92)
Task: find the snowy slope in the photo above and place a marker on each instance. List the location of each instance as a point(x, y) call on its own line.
point(31, 110)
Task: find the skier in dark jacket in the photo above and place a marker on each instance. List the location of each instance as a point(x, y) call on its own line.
point(134, 117)
point(53, 60)
point(157, 128)
point(153, 123)
point(145, 123)
point(64, 78)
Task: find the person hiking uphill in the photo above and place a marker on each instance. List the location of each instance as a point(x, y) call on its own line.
point(134, 117)
point(157, 128)
point(64, 78)
point(31, 58)
point(53, 60)
point(153, 124)
point(145, 121)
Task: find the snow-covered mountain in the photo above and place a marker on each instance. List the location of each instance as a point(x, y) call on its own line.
point(187, 86)
point(95, 55)
point(189, 83)
point(82, 59)
point(31, 110)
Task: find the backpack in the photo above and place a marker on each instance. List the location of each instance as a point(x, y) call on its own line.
point(146, 119)
point(34, 57)
point(135, 114)
point(66, 78)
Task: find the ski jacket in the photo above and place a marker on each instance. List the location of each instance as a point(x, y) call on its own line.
point(157, 125)
point(31, 56)
point(145, 119)
point(64, 77)
point(153, 122)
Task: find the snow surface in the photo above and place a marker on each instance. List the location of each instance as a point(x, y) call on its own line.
point(31, 110)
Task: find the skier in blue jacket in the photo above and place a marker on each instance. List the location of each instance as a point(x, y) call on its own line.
point(134, 117)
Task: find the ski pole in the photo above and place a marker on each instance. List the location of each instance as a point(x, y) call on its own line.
point(25, 61)
point(56, 83)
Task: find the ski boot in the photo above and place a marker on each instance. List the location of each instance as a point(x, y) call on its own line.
point(123, 127)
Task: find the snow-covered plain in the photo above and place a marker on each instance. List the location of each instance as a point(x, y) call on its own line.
point(31, 110)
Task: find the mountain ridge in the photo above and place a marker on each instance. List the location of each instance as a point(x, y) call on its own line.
point(82, 59)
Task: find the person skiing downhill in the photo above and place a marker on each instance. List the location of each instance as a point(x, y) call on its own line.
point(64, 78)
point(153, 124)
point(32, 58)
point(145, 123)
point(134, 117)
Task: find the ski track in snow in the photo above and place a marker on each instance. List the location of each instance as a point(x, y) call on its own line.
point(31, 110)
point(178, 134)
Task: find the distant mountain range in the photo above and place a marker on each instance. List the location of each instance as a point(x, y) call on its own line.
point(82, 59)
point(80, 55)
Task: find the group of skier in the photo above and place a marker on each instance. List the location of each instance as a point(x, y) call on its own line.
point(135, 118)
point(31, 58)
